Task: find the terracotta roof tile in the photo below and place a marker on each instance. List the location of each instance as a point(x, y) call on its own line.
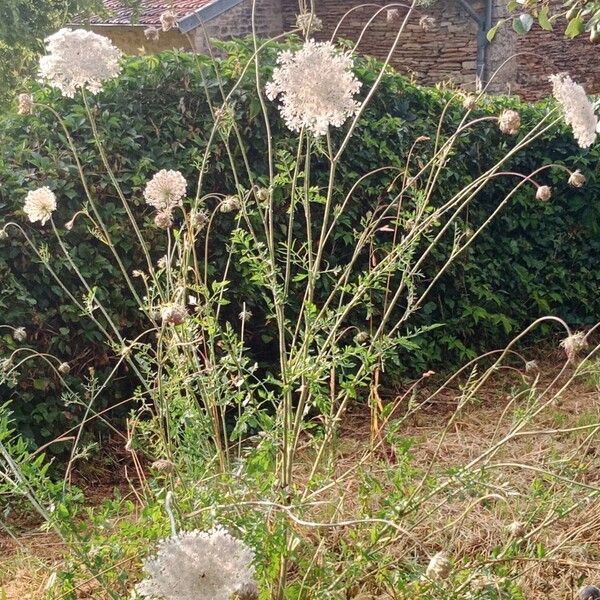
point(149, 14)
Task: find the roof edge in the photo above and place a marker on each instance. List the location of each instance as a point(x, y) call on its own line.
point(205, 13)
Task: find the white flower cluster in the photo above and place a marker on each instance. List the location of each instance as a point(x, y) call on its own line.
point(509, 122)
point(577, 108)
point(79, 59)
point(198, 564)
point(164, 192)
point(40, 204)
point(316, 86)
point(308, 23)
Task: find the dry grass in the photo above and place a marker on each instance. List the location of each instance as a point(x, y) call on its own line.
point(558, 554)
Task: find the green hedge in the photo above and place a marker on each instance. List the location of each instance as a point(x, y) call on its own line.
point(535, 259)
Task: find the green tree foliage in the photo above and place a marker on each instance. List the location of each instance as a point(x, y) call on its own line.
point(577, 17)
point(23, 26)
point(535, 259)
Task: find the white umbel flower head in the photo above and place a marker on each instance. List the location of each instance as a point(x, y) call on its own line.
point(577, 109)
point(79, 59)
point(198, 564)
point(40, 204)
point(165, 190)
point(316, 87)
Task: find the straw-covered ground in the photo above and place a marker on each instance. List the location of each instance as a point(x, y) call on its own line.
point(512, 517)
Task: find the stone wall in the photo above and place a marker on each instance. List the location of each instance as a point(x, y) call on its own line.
point(541, 53)
point(446, 52)
point(237, 22)
point(130, 39)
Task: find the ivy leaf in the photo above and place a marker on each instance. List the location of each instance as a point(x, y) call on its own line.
point(523, 23)
point(544, 19)
point(491, 34)
point(575, 27)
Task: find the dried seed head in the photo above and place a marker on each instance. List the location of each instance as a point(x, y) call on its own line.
point(168, 20)
point(531, 365)
point(199, 219)
point(574, 344)
point(517, 529)
point(152, 34)
point(427, 23)
point(469, 102)
point(230, 204)
point(392, 14)
point(439, 566)
point(164, 219)
point(544, 193)
point(64, 368)
point(263, 195)
point(173, 314)
point(164, 466)
point(509, 122)
point(3, 234)
point(577, 179)
point(361, 337)
point(308, 23)
point(245, 315)
point(25, 104)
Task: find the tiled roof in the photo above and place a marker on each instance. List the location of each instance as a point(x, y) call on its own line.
point(149, 13)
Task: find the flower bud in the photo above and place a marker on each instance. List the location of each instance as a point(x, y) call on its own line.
point(64, 368)
point(577, 179)
point(509, 122)
point(544, 193)
point(173, 314)
point(164, 466)
point(25, 104)
point(163, 219)
point(439, 566)
point(517, 529)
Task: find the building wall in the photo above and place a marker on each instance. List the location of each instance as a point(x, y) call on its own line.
point(540, 54)
point(130, 39)
point(237, 22)
point(447, 52)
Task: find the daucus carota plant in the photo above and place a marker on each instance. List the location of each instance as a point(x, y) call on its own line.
point(254, 445)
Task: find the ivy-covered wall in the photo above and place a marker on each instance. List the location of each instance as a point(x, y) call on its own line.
point(535, 258)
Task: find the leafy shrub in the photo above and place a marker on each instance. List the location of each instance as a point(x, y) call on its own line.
point(534, 259)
